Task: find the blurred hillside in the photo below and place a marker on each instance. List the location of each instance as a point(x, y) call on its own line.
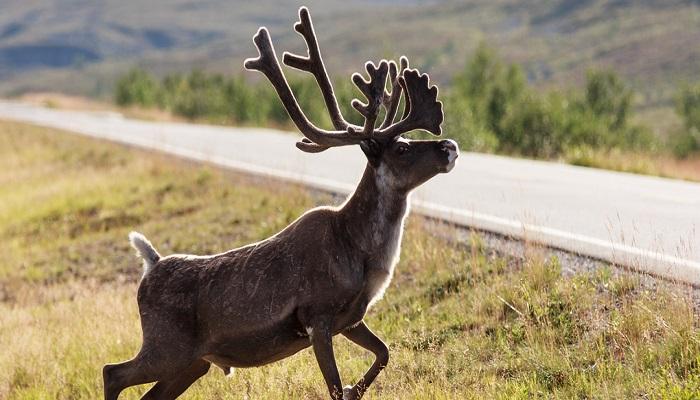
point(81, 46)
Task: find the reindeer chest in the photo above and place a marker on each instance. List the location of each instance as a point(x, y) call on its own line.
point(382, 259)
point(378, 267)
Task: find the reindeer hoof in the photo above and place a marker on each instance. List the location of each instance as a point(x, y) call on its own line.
point(350, 393)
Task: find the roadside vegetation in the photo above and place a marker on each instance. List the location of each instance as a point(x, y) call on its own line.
point(489, 107)
point(687, 141)
point(461, 321)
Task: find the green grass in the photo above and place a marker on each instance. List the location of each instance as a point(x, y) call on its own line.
point(461, 322)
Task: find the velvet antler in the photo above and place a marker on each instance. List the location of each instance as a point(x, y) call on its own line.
point(422, 110)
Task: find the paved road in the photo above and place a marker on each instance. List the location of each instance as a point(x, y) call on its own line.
point(645, 223)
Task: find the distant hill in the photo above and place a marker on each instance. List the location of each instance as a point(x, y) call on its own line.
point(80, 46)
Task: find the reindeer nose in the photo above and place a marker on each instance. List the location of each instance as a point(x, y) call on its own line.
point(448, 145)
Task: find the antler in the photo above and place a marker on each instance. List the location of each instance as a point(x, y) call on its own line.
point(391, 100)
point(267, 64)
point(373, 91)
point(313, 63)
point(422, 110)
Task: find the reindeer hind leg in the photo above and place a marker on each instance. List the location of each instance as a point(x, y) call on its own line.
point(171, 389)
point(148, 366)
point(162, 357)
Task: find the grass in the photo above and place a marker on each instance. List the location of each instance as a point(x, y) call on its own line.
point(461, 321)
point(663, 165)
point(67, 102)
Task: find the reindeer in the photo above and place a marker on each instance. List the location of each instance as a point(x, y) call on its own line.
point(316, 278)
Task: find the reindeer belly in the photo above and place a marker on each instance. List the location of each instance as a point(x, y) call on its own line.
point(254, 354)
point(259, 347)
point(256, 347)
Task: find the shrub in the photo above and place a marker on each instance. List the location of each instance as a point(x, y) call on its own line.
point(489, 87)
point(465, 127)
point(201, 96)
point(608, 98)
point(688, 106)
point(491, 108)
point(137, 87)
point(534, 128)
point(687, 140)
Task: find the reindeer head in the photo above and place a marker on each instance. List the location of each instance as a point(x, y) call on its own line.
point(404, 163)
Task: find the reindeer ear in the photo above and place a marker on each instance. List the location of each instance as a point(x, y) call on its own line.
point(372, 150)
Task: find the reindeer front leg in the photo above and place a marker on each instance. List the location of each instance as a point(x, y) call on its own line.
point(362, 336)
point(322, 342)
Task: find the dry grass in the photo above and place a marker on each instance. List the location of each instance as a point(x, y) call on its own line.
point(663, 165)
point(70, 102)
point(460, 321)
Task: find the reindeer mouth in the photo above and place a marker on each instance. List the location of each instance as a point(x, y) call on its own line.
point(451, 160)
point(452, 150)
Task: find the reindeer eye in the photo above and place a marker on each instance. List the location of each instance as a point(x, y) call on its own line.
point(401, 150)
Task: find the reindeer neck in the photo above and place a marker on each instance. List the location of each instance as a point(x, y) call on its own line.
point(375, 210)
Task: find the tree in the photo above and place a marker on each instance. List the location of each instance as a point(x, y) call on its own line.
point(484, 93)
point(608, 97)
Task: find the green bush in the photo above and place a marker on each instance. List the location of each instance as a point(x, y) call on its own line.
point(534, 128)
point(137, 87)
point(201, 96)
point(480, 99)
point(608, 98)
point(213, 97)
point(688, 106)
point(687, 140)
point(491, 108)
point(463, 125)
